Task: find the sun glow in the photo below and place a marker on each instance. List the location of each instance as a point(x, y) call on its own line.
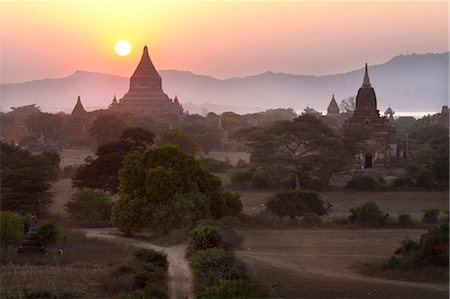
point(123, 48)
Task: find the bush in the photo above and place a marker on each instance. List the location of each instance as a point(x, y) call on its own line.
point(205, 237)
point(236, 289)
point(430, 216)
point(242, 178)
point(241, 164)
point(368, 215)
point(296, 203)
point(47, 231)
point(405, 221)
point(225, 204)
point(311, 220)
point(92, 205)
point(212, 265)
point(432, 250)
point(151, 256)
point(261, 180)
point(214, 165)
point(365, 182)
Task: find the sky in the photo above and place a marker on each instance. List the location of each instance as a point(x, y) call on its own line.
point(221, 39)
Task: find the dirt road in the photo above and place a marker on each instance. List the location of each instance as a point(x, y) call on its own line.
point(180, 277)
point(320, 263)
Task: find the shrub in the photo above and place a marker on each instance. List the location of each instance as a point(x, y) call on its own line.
point(296, 203)
point(365, 182)
point(430, 216)
point(432, 250)
point(311, 219)
point(242, 178)
point(204, 237)
point(47, 231)
point(241, 164)
point(368, 215)
point(225, 204)
point(11, 229)
point(92, 205)
point(154, 257)
point(236, 289)
point(214, 165)
point(261, 180)
point(212, 265)
point(405, 220)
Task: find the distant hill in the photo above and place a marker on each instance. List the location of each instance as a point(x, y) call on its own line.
point(416, 82)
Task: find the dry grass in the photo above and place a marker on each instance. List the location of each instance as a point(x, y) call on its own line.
point(80, 280)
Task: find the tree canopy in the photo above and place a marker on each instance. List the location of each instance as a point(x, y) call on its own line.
point(107, 128)
point(166, 187)
point(25, 179)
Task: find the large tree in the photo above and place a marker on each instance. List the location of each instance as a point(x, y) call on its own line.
point(165, 187)
point(102, 172)
point(25, 179)
point(304, 147)
point(107, 128)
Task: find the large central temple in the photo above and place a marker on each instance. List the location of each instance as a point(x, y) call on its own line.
point(145, 95)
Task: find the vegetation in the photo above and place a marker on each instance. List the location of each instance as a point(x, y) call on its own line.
point(102, 172)
point(366, 182)
point(11, 230)
point(178, 137)
point(164, 187)
point(300, 154)
point(106, 128)
point(368, 215)
point(205, 237)
point(431, 250)
point(296, 203)
point(25, 179)
point(214, 165)
point(47, 232)
point(311, 220)
point(91, 206)
point(430, 216)
point(405, 221)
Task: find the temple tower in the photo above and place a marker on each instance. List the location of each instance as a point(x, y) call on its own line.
point(333, 108)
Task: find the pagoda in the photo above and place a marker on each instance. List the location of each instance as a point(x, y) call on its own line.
point(333, 108)
point(383, 149)
point(145, 95)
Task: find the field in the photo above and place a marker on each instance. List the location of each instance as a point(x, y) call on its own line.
point(393, 203)
point(324, 263)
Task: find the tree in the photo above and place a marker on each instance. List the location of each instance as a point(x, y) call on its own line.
point(46, 124)
point(11, 229)
point(47, 231)
point(103, 171)
point(305, 147)
point(107, 128)
point(90, 204)
point(296, 203)
point(348, 105)
point(25, 179)
point(177, 137)
point(161, 188)
point(138, 135)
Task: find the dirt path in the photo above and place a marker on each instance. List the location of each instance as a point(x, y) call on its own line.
point(180, 276)
point(270, 259)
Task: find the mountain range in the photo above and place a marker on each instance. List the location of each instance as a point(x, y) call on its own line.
point(414, 82)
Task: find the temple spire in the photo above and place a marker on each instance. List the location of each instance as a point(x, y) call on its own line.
point(366, 82)
point(78, 110)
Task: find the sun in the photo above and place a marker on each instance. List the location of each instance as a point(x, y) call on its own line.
point(123, 48)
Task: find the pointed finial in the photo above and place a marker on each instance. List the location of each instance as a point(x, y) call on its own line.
point(78, 99)
point(333, 97)
point(145, 52)
point(366, 82)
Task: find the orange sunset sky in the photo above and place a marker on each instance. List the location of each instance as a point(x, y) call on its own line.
point(222, 39)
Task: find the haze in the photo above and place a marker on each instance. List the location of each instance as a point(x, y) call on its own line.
point(51, 39)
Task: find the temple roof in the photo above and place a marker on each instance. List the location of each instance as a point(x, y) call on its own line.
point(145, 66)
point(78, 110)
point(366, 81)
point(333, 105)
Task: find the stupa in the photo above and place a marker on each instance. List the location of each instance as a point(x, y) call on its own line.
point(145, 95)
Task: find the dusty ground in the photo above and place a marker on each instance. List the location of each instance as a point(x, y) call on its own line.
point(75, 156)
point(394, 203)
point(321, 263)
point(180, 277)
point(62, 191)
point(233, 157)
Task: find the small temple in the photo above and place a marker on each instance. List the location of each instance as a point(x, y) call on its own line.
point(333, 108)
point(145, 95)
point(383, 148)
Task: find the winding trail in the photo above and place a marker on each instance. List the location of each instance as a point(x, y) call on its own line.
point(271, 259)
point(180, 276)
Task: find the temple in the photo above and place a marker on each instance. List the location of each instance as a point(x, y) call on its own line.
point(145, 95)
point(383, 148)
point(333, 108)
